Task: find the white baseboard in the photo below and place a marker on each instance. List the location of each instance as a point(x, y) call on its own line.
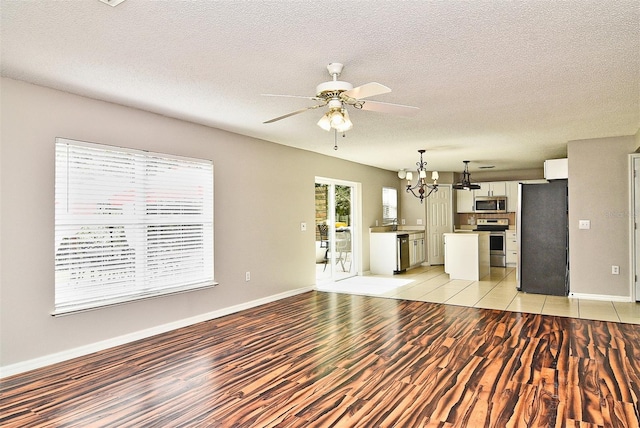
point(58, 357)
point(604, 297)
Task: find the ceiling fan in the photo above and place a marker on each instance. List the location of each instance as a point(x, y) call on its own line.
point(337, 95)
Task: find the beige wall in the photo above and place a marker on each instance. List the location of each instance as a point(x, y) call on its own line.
point(489, 175)
point(262, 193)
point(599, 191)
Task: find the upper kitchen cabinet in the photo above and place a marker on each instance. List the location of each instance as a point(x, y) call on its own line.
point(512, 196)
point(493, 188)
point(464, 201)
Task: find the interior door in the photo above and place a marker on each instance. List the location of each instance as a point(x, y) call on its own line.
point(336, 208)
point(439, 221)
point(636, 213)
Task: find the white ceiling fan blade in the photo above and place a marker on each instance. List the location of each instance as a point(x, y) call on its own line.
point(367, 90)
point(294, 113)
point(292, 96)
point(398, 109)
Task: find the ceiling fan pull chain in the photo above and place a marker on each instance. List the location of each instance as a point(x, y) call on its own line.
point(335, 138)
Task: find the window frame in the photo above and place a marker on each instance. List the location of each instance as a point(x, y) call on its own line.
point(389, 193)
point(167, 227)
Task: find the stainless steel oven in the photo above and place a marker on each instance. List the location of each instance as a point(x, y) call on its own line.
point(497, 239)
point(498, 249)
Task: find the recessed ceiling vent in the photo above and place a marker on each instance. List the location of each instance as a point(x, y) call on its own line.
point(112, 3)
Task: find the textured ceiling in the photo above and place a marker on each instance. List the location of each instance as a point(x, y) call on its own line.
point(498, 83)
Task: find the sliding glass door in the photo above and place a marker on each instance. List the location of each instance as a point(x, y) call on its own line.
point(336, 231)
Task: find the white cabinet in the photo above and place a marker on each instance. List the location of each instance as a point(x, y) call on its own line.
point(556, 168)
point(464, 201)
point(492, 188)
point(466, 255)
point(484, 190)
point(512, 196)
point(383, 251)
point(416, 249)
point(512, 248)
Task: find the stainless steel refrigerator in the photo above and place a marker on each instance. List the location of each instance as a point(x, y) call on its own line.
point(543, 238)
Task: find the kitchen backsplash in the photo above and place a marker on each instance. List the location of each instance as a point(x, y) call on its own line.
point(469, 219)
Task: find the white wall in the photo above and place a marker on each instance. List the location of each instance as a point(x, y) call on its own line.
point(599, 191)
point(262, 193)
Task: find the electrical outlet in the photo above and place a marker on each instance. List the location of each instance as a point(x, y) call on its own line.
point(419, 222)
point(247, 276)
point(403, 222)
point(584, 224)
point(615, 270)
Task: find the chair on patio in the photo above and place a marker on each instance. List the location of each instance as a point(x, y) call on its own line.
point(343, 248)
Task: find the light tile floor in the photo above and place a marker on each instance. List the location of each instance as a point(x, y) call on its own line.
point(496, 291)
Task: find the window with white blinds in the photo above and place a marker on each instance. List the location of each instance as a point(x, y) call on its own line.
point(129, 225)
point(389, 205)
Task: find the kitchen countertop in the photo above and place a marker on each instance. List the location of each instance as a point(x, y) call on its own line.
point(389, 229)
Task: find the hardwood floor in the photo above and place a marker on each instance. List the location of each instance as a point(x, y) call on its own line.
point(336, 360)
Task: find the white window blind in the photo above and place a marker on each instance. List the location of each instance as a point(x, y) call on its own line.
point(129, 224)
point(389, 205)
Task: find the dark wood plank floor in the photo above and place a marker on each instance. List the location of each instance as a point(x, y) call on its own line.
point(335, 360)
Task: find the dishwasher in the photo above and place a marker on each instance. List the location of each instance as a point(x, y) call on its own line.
point(402, 262)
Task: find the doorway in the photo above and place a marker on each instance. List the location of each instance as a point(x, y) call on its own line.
point(634, 186)
point(439, 221)
point(337, 230)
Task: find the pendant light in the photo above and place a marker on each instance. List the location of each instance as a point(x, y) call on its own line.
point(466, 184)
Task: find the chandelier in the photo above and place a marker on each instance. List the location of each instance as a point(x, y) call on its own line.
point(421, 189)
point(466, 184)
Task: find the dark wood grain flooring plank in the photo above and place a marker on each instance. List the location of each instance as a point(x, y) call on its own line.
point(332, 360)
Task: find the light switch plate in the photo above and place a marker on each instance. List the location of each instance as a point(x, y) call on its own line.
point(584, 224)
point(303, 227)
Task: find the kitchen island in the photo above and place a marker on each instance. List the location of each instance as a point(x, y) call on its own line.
point(467, 255)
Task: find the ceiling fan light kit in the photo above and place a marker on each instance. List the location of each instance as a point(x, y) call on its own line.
point(421, 189)
point(337, 95)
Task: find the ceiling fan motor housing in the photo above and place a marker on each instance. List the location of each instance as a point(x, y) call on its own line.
point(332, 87)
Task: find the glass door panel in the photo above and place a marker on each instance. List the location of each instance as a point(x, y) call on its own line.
point(334, 230)
point(343, 227)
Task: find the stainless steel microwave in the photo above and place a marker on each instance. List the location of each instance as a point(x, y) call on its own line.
point(490, 204)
